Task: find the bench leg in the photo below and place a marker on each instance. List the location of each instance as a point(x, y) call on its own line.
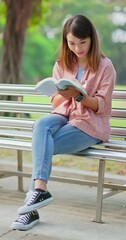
point(100, 186)
point(20, 168)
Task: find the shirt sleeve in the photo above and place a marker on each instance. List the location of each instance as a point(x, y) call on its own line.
point(56, 74)
point(105, 89)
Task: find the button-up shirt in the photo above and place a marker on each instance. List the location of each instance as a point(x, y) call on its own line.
point(99, 84)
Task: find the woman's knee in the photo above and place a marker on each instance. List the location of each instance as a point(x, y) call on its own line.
point(50, 123)
point(43, 121)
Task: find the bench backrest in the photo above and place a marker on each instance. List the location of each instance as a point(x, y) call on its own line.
point(20, 107)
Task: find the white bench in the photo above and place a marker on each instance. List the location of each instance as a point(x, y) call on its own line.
point(15, 133)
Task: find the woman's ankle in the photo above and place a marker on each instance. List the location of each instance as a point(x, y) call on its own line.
point(41, 184)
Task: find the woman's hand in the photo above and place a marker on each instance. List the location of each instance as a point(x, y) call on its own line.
point(87, 101)
point(63, 95)
point(69, 92)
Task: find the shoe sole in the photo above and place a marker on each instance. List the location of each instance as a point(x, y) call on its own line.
point(26, 209)
point(21, 227)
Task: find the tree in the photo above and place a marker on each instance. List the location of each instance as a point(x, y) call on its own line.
point(17, 16)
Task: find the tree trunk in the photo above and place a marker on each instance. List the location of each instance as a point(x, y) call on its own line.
point(18, 13)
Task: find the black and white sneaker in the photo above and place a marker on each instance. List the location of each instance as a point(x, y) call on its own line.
point(26, 221)
point(39, 198)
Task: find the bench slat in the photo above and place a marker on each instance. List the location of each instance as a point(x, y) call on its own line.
point(22, 107)
point(15, 133)
point(116, 144)
point(28, 123)
point(91, 152)
point(119, 156)
point(15, 144)
point(24, 89)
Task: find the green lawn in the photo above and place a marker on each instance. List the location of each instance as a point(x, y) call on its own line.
point(37, 99)
point(119, 87)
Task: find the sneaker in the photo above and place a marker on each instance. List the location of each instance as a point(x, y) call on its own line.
point(38, 199)
point(26, 221)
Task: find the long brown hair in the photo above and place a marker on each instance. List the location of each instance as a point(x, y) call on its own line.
point(80, 27)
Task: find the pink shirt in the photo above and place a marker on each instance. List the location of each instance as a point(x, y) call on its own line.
point(99, 84)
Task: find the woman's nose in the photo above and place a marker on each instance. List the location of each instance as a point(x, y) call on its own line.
point(77, 48)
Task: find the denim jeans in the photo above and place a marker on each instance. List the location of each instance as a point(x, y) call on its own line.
point(52, 134)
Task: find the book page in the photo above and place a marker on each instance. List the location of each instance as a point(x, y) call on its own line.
point(46, 87)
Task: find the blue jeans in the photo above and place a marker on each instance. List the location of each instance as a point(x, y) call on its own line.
point(53, 135)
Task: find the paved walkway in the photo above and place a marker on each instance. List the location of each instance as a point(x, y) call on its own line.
point(68, 217)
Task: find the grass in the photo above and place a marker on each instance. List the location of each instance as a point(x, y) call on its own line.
point(120, 87)
point(37, 99)
point(86, 164)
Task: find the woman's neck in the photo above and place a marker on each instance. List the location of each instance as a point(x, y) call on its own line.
point(82, 63)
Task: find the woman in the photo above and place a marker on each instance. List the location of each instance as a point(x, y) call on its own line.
point(75, 116)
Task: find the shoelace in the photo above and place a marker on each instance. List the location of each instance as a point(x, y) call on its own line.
point(34, 195)
point(28, 195)
point(24, 218)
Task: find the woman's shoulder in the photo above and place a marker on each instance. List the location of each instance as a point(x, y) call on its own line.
point(105, 61)
point(58, 65)
point(107, 66)
point(57, 70)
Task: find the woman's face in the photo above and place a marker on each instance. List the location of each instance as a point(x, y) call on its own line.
point(80, 47)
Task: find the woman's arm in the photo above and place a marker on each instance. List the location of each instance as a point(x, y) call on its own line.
point(90, 102)
point(57, 100)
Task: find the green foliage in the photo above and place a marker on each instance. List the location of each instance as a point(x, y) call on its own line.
point(2, 15)
point(40, 9)
point(38, 57)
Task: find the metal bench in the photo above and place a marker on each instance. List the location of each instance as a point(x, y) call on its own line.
point(15, 133)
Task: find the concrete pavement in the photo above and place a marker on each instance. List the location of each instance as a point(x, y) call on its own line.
point(68, 217)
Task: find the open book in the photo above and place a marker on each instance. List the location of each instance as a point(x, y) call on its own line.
point(49, 86)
